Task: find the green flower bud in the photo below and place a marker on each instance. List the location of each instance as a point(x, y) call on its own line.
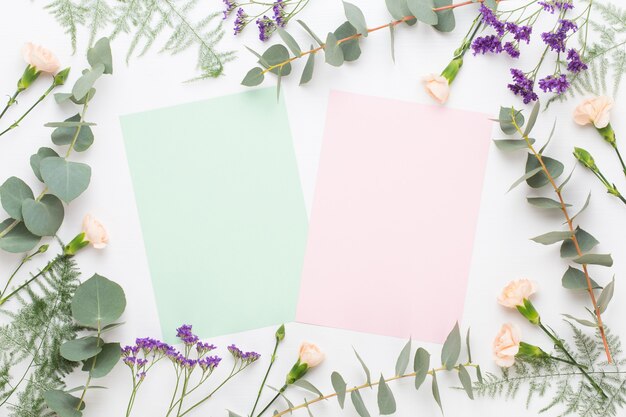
point(608, 134)
point(30, 75)
point(75, 245)
point(280, 333)
point(528, 310)
point(585, 158)
point(61, 77)
point(298, 370)
point(451, 71)
point(527, 351)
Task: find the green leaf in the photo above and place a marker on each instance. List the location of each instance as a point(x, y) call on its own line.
point(399, 9)
point(421, 363)
point(524, 178)
point(105, 361)
point(574, 279)
point(356, 18)
point(81, 349)
point(62, 403)
point(606, 295)
point(423, 11)
point(479, 374)
point(555, 168)
point(98, 302)
point(445, 18)
point(289, 41)
point(552, 237)
point(64, 135)
point(358, 403)
point(545, 203)
point(275, 55)
point(435, 389)
point(467, 344)
point(543, 148)
point(451, 348)
point(100, 54)
point(584, 206)
point(595, 259)
point(307, 73)
point(367, 371)
point(66, 180)
point(339, 385)
point(86, 81)
point(13, 192)
point(43, 217)
point(532, 118)
point(334, 53)
point(19, 239)
point(68, 124)
point(584, 322)
point(304, 384)
point(506, 119)
point(351, 49)
point(566, 179)
point(310, 32)
point(254, 77)
point(386, 400)
point(510, 145)
point(466, 381)
point(62, 97)
point(35, 160)
point(403, 359)
point(232, 414)
point(392, 37)
point(586, 242)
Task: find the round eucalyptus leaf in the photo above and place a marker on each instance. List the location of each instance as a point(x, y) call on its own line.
point(44, 217)
point(100, 53)
point(67, 180)
point(98, 302)
point(35, 160)
point(19, 239)
point(81, 349)
point(351, 49)
point(105, 361)
point(65, 135)
point(62, 403)
point(12, 193)
point(445, 18)
point(275, 55)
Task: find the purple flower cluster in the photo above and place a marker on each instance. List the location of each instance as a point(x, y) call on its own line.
point(185, 334)
point(556, 40)
point(522, 86)
point(552, 5)
point(229, 7)
point(245, 357)
point(240, 21)
point(554, 83)
point(489, 18)
point(279, 13)
point(487, 44)
point(493, 43)
point(266, 27)
point(574, 62)
point(520, 33)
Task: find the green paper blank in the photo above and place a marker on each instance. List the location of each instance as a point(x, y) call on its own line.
point(221, 210)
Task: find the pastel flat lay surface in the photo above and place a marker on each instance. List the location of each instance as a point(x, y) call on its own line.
point(376, 244)
point(240, 222)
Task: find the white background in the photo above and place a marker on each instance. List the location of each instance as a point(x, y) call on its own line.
point(502, 251)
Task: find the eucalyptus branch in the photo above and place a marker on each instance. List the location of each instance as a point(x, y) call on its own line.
point(306, 404)
point(570, 225)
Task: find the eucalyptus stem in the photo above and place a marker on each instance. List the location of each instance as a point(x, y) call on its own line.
point(42, 98)
point(570, 225)
point(10, 102)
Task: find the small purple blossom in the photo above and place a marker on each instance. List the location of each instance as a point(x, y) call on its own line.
point(229, 7)
point(511, 49)
point(266, 27)
point(558, 84)
point(203, 348)
point(486, 44)
point(520, 33)
point(279, 13)
point(552, 5)
point(522, 86)
point(209, 363)
point(489, 18)
point(556, 40)
point(240, 21)
point(185, 334)
point(247, 357)
point(574, 62)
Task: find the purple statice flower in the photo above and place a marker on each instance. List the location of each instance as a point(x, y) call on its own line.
point(209, 363)
point(235, 351)
point(130, 361)
point(129, 351)
point(279, 13)
point(522, 86)
point(203, 348)
point(511, 49)
point(247, 357)
point(554, 84)
point(574, 62)
point(185, 334)
point(489, 18)
point(266, 27)
point(141, 375)
point(552, 5)
point(567, 25)
point(229, 7)
point(485, 44)
point(556, 40)
point(520, 33)
point(240, 21)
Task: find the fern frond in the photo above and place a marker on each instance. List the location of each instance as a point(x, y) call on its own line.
point(69, 15)
point(98, 16)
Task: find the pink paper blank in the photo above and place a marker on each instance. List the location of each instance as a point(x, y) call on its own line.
point(393, 219)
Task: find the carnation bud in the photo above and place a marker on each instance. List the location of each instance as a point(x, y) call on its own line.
point(61, 77)
point(608, 134)
point(585, 158)
point(28, 77)
point(528, 310)
point(280, 333)
point(528, 351)
point(75, 245)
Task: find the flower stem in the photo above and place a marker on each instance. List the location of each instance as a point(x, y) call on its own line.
point(12, 101)
point(50, 264)
point(570, 225)
point(18, 121)
point(284, 387)
point(93, 366)
point(269, 368)
point(621, 160)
